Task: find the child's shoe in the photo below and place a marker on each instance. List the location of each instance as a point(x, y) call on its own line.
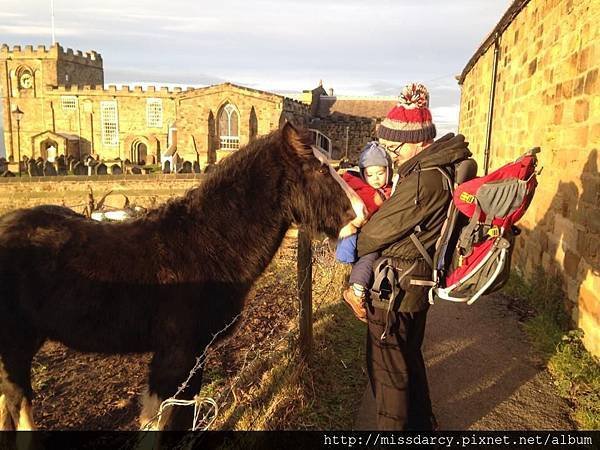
point(356, 304)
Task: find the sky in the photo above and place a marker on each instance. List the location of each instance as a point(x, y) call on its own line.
point(356, 47)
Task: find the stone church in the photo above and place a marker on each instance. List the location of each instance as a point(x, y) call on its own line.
point(54, 102)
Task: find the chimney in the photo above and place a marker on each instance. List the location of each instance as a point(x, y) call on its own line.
point(331, 92)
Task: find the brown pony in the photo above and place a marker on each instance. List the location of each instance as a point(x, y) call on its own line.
point(163, 283)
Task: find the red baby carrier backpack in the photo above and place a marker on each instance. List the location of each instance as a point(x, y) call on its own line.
point(473, 253)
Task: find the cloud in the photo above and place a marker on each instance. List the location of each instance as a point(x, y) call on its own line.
point(159, 77)
point(445, 119)
point(356, 47)
point(32, 30)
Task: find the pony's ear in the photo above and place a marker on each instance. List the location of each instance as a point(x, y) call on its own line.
point(297, 141)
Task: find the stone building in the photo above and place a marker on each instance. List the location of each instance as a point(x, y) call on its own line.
point(67, 110)
point(349, 122)
point(534, 82)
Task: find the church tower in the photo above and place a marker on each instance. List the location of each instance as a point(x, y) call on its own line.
point(25, 75)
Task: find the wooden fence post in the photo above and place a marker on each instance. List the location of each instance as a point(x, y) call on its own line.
point(305, 293)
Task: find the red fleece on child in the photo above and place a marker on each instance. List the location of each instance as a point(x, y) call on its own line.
point(369, 195)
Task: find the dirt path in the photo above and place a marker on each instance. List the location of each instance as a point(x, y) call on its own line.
point(483, 373)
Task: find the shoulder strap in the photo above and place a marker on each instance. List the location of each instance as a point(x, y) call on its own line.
point(421, 247)
point(448, 186)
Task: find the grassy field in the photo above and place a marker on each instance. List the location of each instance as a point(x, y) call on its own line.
point(575, 371)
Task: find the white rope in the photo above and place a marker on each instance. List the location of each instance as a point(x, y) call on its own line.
point(172, 401)
point(197, 402)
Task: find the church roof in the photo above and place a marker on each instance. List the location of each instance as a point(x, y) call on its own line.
point(171, 150)
point(226, 85)
point(67, 136)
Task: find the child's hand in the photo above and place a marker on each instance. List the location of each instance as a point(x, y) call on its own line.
point(348, 230)
point(358, 222)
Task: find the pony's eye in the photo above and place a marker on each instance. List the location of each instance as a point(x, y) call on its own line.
point(323, 169)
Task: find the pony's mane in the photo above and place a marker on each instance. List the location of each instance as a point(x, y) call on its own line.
point(226, 173)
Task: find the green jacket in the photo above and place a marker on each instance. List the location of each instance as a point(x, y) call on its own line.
point(421, 198)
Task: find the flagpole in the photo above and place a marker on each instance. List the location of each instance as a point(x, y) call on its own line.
point(52, 13)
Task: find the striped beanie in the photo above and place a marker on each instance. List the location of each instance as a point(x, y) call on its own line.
point(410, 120)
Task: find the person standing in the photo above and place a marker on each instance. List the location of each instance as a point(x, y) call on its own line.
point(417, 207)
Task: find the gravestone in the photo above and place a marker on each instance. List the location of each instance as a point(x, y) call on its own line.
point(196, 167)
point(7, 173)
point(49, 170)
point(136, 170)
point(101, 169)
point(167, 167)
point(115, 169)
point(61, 165)
point(186, 167)
point(32, 168)
point(79, 168)
point(40, 167)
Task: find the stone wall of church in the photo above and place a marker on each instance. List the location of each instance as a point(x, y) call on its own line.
point(133, 126)
point(198, 133)
point(547, 95)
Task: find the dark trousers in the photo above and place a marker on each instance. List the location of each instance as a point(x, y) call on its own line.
point(362, 270)
point(397, 371)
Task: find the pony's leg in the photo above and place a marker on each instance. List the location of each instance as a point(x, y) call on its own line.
point(15, 403)
point(168, 370)
point(6, 422)
point(15, 383)
point(25, 416)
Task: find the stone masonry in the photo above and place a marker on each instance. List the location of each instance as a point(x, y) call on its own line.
point(547, 95)
point(147, 191)
point(64, 102)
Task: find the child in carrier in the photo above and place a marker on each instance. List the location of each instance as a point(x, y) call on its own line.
point(373, 183)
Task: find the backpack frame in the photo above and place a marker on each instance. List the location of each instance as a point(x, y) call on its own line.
point(473, 253)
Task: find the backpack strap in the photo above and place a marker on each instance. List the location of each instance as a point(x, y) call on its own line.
point(420, 246)
point(389, 272)
point(449, 185)
point(467, 236)
point(383, 272)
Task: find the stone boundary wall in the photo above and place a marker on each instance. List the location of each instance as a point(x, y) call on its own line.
point(147, 191)
point(547, 95)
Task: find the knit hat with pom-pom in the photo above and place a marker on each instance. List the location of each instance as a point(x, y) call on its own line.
point(410, 120)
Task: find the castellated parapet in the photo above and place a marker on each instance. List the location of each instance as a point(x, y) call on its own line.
point(113, 90)
point(56, 52)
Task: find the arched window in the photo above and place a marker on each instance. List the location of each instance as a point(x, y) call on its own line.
point(253, 125)
point(229, 127)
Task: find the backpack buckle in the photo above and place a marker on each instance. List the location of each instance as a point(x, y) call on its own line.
point(494, 232)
